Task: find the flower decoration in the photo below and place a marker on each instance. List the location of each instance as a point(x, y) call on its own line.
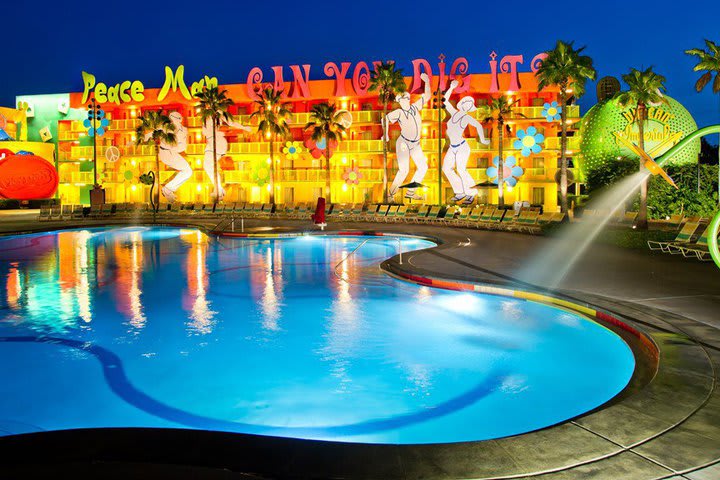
point(101, 124)
point(529, 141)
point(292, 150)
point(511, 171)
point(352, 176)
point(317, 150)
point(260, 173)
point(551, 112)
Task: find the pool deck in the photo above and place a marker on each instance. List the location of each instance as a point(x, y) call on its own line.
point(668, 427)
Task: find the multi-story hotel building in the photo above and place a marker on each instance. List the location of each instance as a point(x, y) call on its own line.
point(299, 177)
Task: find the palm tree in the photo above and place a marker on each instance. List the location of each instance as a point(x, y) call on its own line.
point(709, 62)
point(155, 128)
point(326, 122)
point(214, 105)
point(644, 90)
point(498, 111)
point(568, 69)
point(388, 82)
point(273, 117)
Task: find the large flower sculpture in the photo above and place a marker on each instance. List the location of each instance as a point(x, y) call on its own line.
point(352, 176)
point(551, 112)
point(317, 150)
point(101, 124)
point(292, 150)
point(260, 173)
point(529, 141)
point(511, 171)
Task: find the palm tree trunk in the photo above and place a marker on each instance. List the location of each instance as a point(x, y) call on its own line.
point(563, 151)
point(385, 155)
point(642, 223)
point(157, 180)
point(215, 165)
point(501, 164)
point(327, 171)
point(272, 173)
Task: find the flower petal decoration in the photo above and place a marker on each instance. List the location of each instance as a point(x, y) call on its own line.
point(551, 111)
point(292, 150)
point(260, 172)
point(352, 176)
point(511, 171)
point(317, 150)
point(529, 141)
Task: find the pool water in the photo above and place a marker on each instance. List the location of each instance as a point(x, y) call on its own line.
point(167, 327)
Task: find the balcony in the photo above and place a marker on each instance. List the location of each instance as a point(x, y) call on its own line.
point(298, 120)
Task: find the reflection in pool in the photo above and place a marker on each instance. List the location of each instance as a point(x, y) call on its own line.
point(165, 327)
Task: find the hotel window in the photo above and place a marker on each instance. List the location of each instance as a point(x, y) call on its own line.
point(538, 195)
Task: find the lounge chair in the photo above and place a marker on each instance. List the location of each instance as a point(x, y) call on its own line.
point(65, 212)
point(370, 212)
point(391, 212)
point(699, 249)
point(628, 218)
point(528, 221)
point(303, 212)
point(461, 218)
point(44, 212)
point(421, 214)
point(684, 236)
point(380, 213)
point(401, 213)
point(432, 215)
point(495, 219)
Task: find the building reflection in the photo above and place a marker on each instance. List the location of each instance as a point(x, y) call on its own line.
point(343, 328)
point(52, 280)
point(201, 316)
point(128, 287)
point(272, 289)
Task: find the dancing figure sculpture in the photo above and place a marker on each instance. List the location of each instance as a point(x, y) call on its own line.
point(221, 148)
point(454, 164)
point(171, 156)
point(408, 144)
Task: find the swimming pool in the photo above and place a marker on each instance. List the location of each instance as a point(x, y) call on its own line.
point(167, 327)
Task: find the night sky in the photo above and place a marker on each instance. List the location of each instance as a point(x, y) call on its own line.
point(48, 43)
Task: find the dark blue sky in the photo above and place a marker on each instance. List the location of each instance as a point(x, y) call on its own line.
point(48, 43)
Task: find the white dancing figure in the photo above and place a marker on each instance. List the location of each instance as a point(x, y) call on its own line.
point(408, 144)
point(458, 153)
point(221, 148)
point(171, 156)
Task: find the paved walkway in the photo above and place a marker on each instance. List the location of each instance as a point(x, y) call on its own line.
point(664, 427)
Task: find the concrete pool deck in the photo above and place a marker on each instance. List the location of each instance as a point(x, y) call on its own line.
point(667, 428)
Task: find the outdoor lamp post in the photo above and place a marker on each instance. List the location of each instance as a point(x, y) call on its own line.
point(96, 124)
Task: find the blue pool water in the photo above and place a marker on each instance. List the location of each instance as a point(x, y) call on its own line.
point(165, 327)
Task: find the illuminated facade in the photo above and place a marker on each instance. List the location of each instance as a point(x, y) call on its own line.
point(300, 177)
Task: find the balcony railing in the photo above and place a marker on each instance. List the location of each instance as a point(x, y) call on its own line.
point(359, 117)
point(371, 147)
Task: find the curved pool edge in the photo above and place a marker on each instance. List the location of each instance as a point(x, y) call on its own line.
point(573, 446)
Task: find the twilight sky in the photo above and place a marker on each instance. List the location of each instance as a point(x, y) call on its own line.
point(48, 43)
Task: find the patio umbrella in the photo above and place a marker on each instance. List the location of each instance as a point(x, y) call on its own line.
point(413, 185)
point(485, 184)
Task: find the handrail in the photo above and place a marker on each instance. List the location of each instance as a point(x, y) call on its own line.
point(358, 248)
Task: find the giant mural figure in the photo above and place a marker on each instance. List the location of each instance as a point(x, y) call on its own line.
point(171, 156)
point(408, 144)
point(221, 148)
point(454, 164)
